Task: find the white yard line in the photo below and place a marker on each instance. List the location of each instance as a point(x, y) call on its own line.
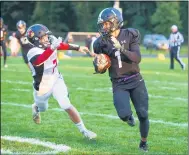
point(5, 152)
point(14, 70)
point(87, 76)
point(17, 82)
point(56, 147)
point(23, 90)
point(168, 88)
point(101, 115)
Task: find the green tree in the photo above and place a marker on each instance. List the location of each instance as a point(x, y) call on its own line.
point(138, 15)
point(167, 14)
point(59, 17)
point(12, 12)
point(184, 19)
point(87, 14)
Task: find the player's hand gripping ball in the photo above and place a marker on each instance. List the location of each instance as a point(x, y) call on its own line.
point(101, 63)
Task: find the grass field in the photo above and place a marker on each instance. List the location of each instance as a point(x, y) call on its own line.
point(91, 94)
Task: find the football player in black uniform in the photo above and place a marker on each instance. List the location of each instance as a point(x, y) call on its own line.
point(122, 46)
point(21, 36)
point(3, 29)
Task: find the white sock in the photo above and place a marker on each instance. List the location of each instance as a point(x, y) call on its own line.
point(81, 126)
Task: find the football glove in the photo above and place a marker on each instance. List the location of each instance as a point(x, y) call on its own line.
point(55, 42)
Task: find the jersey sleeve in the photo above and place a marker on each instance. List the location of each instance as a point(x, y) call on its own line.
point(133, 53)
point(97, 47)
point(36, 57)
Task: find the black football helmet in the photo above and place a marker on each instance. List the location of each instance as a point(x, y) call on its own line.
point(111, 15)
point(35, 32)
point(20, 24)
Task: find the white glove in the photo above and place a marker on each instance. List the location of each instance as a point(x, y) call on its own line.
point(56, 43)
point(52, 38)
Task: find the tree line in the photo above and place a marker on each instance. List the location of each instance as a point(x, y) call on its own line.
point(65, 16)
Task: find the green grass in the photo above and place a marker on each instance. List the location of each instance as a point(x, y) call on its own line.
point(168, 91)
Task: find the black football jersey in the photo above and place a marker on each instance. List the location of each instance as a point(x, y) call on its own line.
point(124, 62)
point(26, 46)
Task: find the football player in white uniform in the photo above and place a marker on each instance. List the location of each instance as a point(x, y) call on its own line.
point(48, 81)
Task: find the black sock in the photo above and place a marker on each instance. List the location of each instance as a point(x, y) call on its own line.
point(142, 142)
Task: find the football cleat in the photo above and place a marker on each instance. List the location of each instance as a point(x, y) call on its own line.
point(183, 67)
point(143, 146)
point(131, 121)
point(89, 134)
point(36, 114)
point(5, 65)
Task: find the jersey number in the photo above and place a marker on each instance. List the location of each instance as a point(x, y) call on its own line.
point(55, 63)
point(118, 55)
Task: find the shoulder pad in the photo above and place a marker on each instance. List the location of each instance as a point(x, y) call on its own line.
point(34, 51)
point(134, 32)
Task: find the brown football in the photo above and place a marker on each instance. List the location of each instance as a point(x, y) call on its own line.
point(104, 62)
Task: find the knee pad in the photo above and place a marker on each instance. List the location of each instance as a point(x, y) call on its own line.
point(142, 115)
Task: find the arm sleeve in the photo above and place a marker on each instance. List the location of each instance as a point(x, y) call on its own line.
point(133, 53)
point(38, 59)
point(92, 46)
point(180, 38)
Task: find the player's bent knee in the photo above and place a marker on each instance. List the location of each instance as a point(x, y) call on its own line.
point(42, 108)
point(142, 115)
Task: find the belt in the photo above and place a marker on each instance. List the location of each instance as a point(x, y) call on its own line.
point(127, 78)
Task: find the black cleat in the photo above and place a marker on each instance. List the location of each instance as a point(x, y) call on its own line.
point(131, 121)
point(143, 146)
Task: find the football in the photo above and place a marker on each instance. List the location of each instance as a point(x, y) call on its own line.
point(103, 62)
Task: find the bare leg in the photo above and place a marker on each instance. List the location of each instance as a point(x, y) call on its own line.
point(74, 115)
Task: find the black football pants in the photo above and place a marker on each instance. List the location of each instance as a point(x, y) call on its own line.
point(174, 54)
point(2, 43)
point(139, 98)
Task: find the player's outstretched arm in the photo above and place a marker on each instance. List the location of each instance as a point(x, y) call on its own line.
point(40, 59)
point(84, 49)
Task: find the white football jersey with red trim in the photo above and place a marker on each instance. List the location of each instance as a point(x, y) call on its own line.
point(45, 74)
